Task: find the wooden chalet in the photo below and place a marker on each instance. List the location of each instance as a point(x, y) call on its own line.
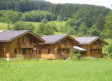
point(90, 46)
point(56, 46)
point(19, 42)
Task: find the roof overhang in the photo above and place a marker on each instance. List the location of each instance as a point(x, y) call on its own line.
point(89, 43)
point(60, 40)
point(27, 32)
point(79, 48)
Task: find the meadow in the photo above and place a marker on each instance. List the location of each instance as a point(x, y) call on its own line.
point(56, 70)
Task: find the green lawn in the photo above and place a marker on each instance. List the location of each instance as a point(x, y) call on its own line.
point(56, 70)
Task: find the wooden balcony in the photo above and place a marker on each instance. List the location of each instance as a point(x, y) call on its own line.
point(26, 45)
point(96, 47)
point(65, 46)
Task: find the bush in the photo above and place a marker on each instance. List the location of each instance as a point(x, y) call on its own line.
point(37, 16)
point(110, 51)
point(45, 29)
point(9, 16)
point(20, 25)
point(74, 55)
point(19, 57)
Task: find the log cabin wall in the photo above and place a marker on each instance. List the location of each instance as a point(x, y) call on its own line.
point(63, 49)
point(27, 44)
point(4, 49)
point(94, 49)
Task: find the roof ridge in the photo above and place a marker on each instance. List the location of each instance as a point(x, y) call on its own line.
point(55, 35)
point(87, 37)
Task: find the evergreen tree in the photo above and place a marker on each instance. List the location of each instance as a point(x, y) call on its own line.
point(59, 18)
point(100, 22)
point(107, 32)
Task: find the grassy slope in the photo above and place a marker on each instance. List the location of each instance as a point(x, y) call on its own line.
point(92, 70)
point(3, 26)
point(56, 23)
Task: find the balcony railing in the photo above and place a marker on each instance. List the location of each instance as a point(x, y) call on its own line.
point(64, 46)
point(96, 47)
point(26, 45)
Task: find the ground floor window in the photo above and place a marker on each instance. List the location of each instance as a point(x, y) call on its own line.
point(59, 51)
point(95, 51)
point(23, 51)
point(68, 51)
point(15, 51)
point(49, 51)
point(39, 51)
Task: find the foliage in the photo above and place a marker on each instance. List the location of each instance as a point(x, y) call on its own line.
point(20, 25)
point(59, 18)
point(107, 32)
point(64, 10)
point(37, 16)
point(110, 50)
point(45, 29)
point(19, 57)
point(75, 55)
point(55, 50)
point(100, 22)
point(10, 16)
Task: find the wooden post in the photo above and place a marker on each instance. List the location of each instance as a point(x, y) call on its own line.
point(4, 50)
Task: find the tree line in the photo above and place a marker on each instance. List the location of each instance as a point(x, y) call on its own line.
point(64, 10)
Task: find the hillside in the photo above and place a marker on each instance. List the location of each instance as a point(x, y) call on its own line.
point(4, 26)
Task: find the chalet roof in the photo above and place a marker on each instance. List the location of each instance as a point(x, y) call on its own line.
point(51, 39)
point(89, 40)
point(6, 36)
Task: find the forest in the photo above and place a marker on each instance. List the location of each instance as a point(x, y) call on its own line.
point(80, 20)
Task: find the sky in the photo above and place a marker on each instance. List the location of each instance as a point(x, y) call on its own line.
point(106, 3)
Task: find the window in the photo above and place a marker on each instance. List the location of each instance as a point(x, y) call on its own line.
point(68, 51)
point(34, 41)
point(49, 51)
point(39, 51)
point(91, 51)
point(23, 40)
point(31, 40)
point(15, 51)
point(64, 42)
point(97, 51)
point(24, 51)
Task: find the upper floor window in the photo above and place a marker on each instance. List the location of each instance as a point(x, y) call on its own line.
point(31, 40)
point(64, 42)
point(22, 40)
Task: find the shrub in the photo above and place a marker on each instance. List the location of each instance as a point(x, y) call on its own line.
point(19, 57)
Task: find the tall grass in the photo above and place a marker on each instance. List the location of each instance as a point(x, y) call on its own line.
point(56, 70)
